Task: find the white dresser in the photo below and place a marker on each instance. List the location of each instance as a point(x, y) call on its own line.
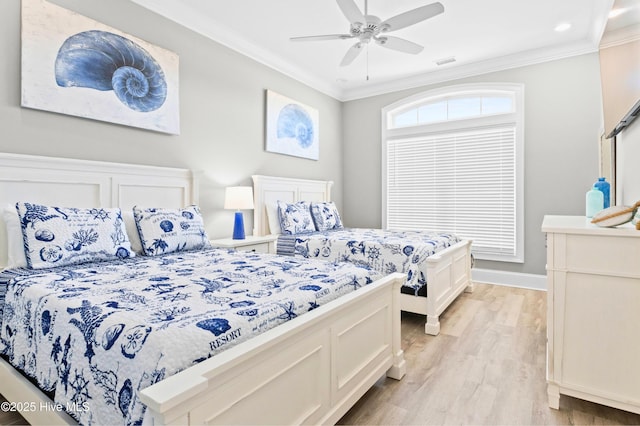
point(593, 312)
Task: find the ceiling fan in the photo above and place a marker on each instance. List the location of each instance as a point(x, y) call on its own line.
point(365, 28)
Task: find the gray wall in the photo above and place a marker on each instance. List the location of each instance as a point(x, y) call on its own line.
point(563, 123)
point(222, 109)
point(222, 126)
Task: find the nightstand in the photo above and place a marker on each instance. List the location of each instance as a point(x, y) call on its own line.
point(265, 244)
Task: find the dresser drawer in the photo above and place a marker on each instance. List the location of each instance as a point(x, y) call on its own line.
point(259, 247)
point(603, 255)
point(262, 244)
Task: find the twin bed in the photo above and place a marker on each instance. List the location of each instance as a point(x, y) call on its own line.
point(168, 338)
point(437, 264)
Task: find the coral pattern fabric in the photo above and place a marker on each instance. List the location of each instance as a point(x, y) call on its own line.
point(97, 333)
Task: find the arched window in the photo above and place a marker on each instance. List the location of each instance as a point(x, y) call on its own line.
point(453, 161)
point(449, 107)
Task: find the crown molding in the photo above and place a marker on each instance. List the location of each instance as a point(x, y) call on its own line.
point(621, 36)
point(599, 25)
point(520, 59)
point(191, 19)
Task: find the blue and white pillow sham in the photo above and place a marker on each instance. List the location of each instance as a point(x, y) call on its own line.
point(58, 236)
point(295, 218)
point(170, 230)
point(305, 216)
point(326, 216)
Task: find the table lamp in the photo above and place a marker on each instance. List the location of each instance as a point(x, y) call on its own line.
point(238, 198)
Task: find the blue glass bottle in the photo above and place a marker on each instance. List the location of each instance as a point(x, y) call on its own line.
point(603, 185)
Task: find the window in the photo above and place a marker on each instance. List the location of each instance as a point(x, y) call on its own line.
point(453, 107)
point(453, 162)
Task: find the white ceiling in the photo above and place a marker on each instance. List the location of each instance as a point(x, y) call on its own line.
point(482, 35)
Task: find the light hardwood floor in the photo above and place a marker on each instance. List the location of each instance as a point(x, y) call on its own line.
point(486, 367)
point(9, 417)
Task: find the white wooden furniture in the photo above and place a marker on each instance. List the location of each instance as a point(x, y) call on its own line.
point(448, 271)
point(310, 370)
point(593, 312)
point(260, 244)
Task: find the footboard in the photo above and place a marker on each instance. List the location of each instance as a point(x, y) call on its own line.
point(310, 370)
point(448, 275)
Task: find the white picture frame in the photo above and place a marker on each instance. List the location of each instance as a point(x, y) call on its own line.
point(292, 128)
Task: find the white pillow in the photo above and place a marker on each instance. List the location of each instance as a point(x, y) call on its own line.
point(170, 230)
point(273, 218)
point(132, 231)
point(15, 244)
point(58, 236)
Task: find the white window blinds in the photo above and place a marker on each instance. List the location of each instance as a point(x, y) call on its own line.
point(461, 181)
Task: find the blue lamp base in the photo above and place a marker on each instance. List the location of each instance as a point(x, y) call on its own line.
point(238, 227)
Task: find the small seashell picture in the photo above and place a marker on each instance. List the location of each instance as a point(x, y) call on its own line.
point(291, 127)
point(74, 65)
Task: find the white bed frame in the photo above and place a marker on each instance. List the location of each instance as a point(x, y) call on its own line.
point(310, 370)
point(448, 271)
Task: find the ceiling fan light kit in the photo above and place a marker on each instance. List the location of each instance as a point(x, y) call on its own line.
point(365, 28)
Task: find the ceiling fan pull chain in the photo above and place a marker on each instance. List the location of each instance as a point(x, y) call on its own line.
point(367, 56)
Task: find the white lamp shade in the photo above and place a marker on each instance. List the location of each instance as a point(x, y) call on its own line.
point(238, 198)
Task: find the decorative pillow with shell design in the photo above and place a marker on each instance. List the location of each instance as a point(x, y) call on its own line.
point(169, 230)
point(295, 218)
point(326, 216)
point(58, 236)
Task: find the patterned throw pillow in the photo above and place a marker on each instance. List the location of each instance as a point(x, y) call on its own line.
point(295, 218)
point(170, 230)
point(57, 236)
point(326, 216)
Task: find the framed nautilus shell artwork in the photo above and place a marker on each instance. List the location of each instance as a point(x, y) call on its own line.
point(291, 127)
point(77, 66)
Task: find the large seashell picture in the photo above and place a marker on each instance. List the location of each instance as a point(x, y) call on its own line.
point(74, 65)
point(291, 127)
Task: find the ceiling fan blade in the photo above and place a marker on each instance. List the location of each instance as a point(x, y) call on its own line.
point(351, 12)
point(399, 44)
point(412, 17)
point(352, 53)
point(322, 37)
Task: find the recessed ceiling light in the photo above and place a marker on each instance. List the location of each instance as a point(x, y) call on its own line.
point(617, 12)
point(562, 27)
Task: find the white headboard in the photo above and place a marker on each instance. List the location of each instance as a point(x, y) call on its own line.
point(81, 183)
point(267, 190)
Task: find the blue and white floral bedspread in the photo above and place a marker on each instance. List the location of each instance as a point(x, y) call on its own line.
point(384, 251)
point(97, 333)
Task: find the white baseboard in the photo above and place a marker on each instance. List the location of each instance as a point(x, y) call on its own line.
point(511, 279)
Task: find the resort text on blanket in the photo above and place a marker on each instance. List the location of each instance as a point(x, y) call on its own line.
point(96, 333)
